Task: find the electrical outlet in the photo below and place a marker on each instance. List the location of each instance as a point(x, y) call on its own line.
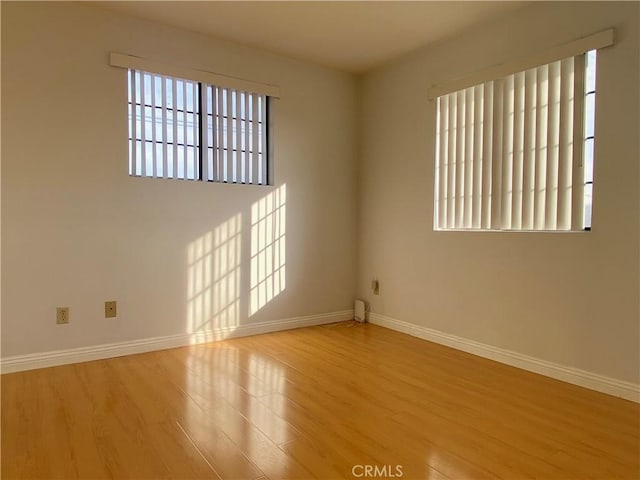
point(110, 309)
point(62, 315)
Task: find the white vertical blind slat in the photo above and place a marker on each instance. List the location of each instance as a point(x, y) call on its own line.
point(204, 147)
point(542, 120)
point(163, 103)
point(263, 137)
point(237, 140)
point(577, 182)
point(143, 125)
point(451, 161)
point(437, 171)
point(442, 159)
point(468, 155)
point(185, 143)
point(518, 150)
point(254, 139)
point(528, 159)
point(496, 171)
point(174, 92)
point(476, 184)
point(154, 165)
point(220, 152)
point(553, 129)
point(451, 164)
point(565, 154)
point(460, 158)
point(133, 120)
point(507, 151)
point(196, 131)
point(213, 150)
point(487, 154)
point(229, 166)
point(246, 161)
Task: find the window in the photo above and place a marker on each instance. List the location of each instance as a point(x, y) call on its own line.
point(589, 131)
point(191, 130)
point(516, 153)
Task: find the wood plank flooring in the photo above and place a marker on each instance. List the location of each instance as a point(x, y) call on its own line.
point(329, 402)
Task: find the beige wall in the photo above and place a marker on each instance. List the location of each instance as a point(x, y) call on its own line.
point(77, 230)
point(566, 298)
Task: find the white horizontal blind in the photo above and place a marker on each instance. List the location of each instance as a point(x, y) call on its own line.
point(163, 126)
point(505, 151)
point(236, 140)
point(168, 138)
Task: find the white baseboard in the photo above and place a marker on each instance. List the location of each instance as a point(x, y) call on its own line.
point(19, 363)
point(600, 383)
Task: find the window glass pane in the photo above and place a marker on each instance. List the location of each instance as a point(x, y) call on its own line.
point(129, 86)
point(149, 158)
point(190, 99)
point(137, 166)
point(138, 108)
point(224, 102)
point(191, 164)
point(180, 130)
point(589, 114)
point(147, 88)
point(588, 160)
point(179, 95)
point(170, 126)
point(169, 92)
point(148, 125)
point(159, 126)
point(180, 154)
point(591, 71)
point(159, 156)
point(190, 130)
point(158, 89)
point(588, 202)
point(170, 173)
point(211, 164)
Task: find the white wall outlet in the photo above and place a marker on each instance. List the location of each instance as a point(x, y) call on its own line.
point(110, 309)
point(62, 315)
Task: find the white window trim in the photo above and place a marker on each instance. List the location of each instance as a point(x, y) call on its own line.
point(203, 76)
point(596, 41)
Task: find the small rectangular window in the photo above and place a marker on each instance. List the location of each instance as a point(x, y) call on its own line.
point(589, 135)
point(516, 153)
point(190, 130)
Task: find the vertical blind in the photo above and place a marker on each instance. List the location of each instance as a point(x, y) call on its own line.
point(236, 136)
point(163, 126)
point(190, 130)
point(509, 152)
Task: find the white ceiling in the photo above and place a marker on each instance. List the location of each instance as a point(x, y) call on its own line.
point(349, 35)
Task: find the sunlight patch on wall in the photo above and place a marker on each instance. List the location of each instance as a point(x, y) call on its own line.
point(268, 248)
point(213, 284)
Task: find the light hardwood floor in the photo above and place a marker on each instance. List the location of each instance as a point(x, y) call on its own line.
point(311, 403)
